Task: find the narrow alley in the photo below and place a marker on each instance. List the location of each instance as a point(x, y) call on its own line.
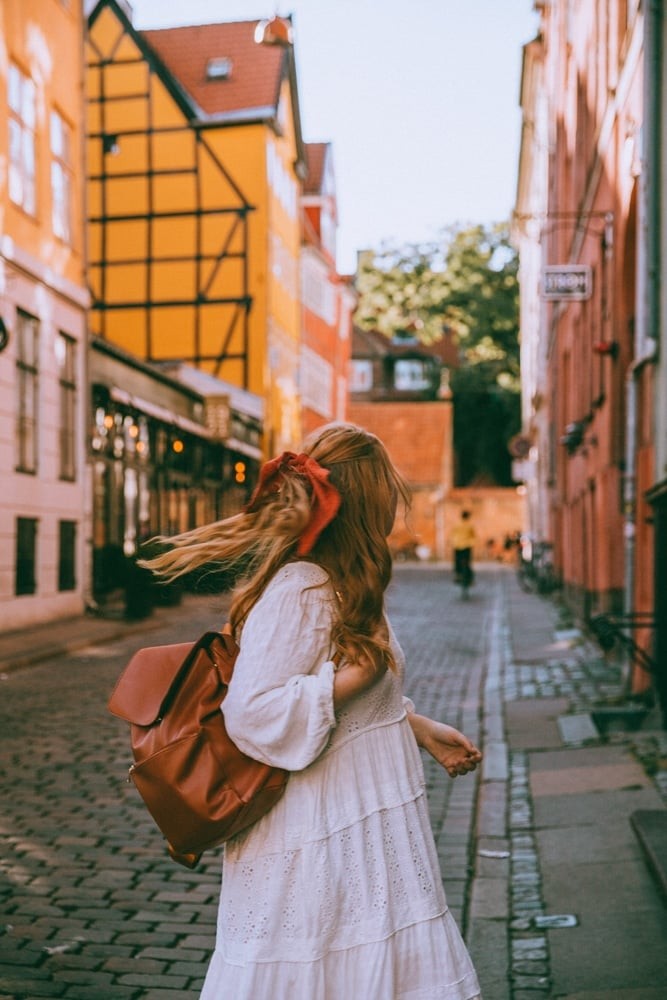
point(539, 859)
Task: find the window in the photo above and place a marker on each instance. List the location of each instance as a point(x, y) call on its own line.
point(61, 177)
point(22, 118)
point(219, 68)
point(410, 375)
point(26, 388)
point(67, 555)
point(66, 359)
point(281, 181)
point(318, 380)
point(318, 294)
point(26, 550)
point(361, 375)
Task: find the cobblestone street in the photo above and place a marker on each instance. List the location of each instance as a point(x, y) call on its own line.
point(93, 908)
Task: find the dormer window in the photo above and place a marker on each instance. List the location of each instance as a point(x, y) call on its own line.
point(410, 375)
point(219, 68)
point(361, 375)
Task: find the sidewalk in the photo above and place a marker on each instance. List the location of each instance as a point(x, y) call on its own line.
point(571, 827)
point(23, 647)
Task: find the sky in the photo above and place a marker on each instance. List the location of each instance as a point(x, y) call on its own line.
point(420, 99)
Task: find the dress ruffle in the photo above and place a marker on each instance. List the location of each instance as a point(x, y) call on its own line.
point(379, 768)
point(355, 886)
point(425, 961)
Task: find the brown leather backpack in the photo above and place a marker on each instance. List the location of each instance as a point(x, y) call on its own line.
point(197, 785)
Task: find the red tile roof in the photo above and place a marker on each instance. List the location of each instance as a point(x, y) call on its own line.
point(256, 69)
point(315, 158)
point(372, 343)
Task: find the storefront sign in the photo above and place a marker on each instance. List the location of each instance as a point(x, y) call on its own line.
point(572, 282)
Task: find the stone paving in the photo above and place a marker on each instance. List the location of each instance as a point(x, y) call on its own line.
point(529, 956)
point(445, 640)
point(91, 906)
point(571, 680)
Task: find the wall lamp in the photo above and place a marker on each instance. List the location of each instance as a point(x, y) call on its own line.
point(607, 348)
point(573, 436)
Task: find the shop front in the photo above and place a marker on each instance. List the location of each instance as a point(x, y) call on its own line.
point(160, 463)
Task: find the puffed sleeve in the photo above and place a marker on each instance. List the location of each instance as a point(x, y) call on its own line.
point(279, 707)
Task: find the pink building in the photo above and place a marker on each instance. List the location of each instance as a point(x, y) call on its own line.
point(328, 300)
point(586, 336)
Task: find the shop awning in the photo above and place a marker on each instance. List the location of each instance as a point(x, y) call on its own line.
point(159, 412)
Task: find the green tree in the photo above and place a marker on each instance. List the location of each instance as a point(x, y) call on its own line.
point(466, 283)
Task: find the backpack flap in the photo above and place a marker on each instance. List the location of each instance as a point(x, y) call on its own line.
point(223, 650)
point(146, 681)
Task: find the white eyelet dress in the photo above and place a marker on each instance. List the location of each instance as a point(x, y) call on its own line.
point(336, 894)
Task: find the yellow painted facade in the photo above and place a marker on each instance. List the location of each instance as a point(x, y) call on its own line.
point(193, 227)
point(38, 38)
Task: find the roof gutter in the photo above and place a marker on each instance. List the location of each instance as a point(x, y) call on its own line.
point(240, 116)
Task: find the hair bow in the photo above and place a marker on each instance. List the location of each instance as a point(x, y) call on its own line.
point(325, 498)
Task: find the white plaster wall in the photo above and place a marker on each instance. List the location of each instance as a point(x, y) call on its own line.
point(43, 495)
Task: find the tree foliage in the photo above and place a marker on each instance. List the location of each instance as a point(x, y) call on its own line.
point(467, 284)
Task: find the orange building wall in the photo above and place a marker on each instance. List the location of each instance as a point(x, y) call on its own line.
point(325, 343)
point(418, 437)
point(153, 297)
point(35, 35)
point(244, 179)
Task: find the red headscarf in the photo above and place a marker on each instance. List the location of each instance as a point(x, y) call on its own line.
point(325, 499)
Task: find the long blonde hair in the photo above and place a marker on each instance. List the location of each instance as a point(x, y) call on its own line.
point(353, 548)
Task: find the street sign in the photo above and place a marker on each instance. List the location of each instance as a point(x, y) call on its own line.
point(573, 282)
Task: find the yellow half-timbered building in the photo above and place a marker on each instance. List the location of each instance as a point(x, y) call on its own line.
point(194, 162)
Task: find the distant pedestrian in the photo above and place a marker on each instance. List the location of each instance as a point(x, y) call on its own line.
point(463, 540)
point(336, 893)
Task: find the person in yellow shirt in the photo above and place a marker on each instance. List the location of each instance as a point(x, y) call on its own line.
point(463, 539)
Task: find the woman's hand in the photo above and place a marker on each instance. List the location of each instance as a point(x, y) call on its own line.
point(452, 750)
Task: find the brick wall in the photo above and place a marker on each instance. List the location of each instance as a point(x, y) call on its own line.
point(418, 437)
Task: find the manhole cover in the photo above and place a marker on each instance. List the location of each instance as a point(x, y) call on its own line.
point(555, 920)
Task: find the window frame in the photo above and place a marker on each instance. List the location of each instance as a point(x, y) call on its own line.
point(67, 532)
point(27, 375)
point(361, 375)
point(25, 565)
point(22, 124)
point(67, 406)
point(62, 177)
point(411, 375)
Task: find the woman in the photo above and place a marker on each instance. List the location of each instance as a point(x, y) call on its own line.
point(336, 893)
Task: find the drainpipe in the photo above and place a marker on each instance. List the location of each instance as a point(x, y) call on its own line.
point(630, 478)
point(648, 274)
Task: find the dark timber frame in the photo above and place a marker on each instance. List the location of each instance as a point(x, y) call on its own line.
point(238, 207)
